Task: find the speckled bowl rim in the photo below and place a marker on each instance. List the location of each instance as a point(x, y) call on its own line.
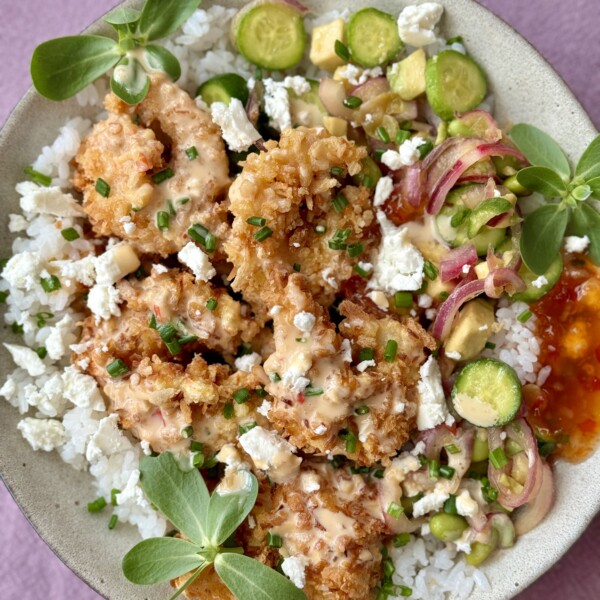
point(21, 487)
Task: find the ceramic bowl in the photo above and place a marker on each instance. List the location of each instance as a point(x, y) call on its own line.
point(54, 496)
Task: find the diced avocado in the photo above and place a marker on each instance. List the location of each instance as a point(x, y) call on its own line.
point(407, 77)
point(322, 47)
point(471, 330)
point(335, 125)
point(435, 288)
point(307, 109)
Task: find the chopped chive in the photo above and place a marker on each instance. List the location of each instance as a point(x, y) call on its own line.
point(350, 438)
point(430, 270)
point(352, 102)
point(403, 299)
point(70, 234)
point(198, 459)
point(452, 449)
point(275, 378)
point(401, 540)
point(16, 328)
point(212, 303)
point(490, 345)
point(383, 134)
point(210, 242)
point(447, 472)
point(163, 175)
point(401, 136)
point(187, 339)
point(388, 567)
point(256, 221)
point(3, 297)
point(196, 446)
point(246, 427)
point(313, 391)
point(490, 494)
point(170, 208)
point(113, 522)
point(198, 233)
point(340, 202)
point(355, 250)
point(525, 316)
point(37, 177)
point(338, 461)
point(366, 354)
point(378, 154)
point(395, 510)
point(443, 295)
point(361, 270)
point(167, 332)
point(191, 153)
point(342, 50)
point(117, 368)
point(337, 171)
point(297, 267)
point(139, 273)
point(152, 324)
point(391, 348)
point(361, 410)
point(41, 352)
point(241, 395)
point(261, 392)
point(187, 432)
point(50, 284)
point(378, 473)
point(337, 245)
point(183, 201)
point(42, 318)
point(455, 40)
point(102, 187)
point(425, 149)
point(359, 470)
point(244, 349)
point(367, 181)
point(274, 540)
point(423, 460)
point(263, 233)
point(545, 449)
point(498, 458)
point(450, 505)
point(405, 591)
point(174, 347)
point(228, 410)
point(162, 220)
point(96, 505)
point(459, 217)
point(113, 496)
point(320, 229)
point(434, 468)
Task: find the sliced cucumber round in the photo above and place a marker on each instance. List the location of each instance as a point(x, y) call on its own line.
point(271, 36)
point(222, 88)
point(373, 37)
point(487, 393)
point(533, 292)
point(455, 83)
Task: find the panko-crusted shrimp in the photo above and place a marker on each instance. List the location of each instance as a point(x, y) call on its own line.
point(291, 187)
point(328, 401)
point(132, 159)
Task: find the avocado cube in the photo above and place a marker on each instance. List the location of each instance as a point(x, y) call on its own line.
point(322, 47)
point(407, 77)
point(471, 330)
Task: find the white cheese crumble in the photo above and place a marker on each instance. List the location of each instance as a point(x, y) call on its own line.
point(106, 440)
point(27, 359)
point(429, 503)
point(277, 99)
point(383, 190)
point(416, 23)
point(357, 76)
point(454, 355)
point(294, 380)
point(346, 350)
point(42, 434)
point(195, 259)
point(364, 365)
point(320, 429)
point(294, 567)
point(576, 244)
point(407, 154)
point(329, 277)
point(380, 299)
point(238, 131)
point(399, 265)
point(264, 408)
point(432, 401)
point(465, 505)
point(540, 282)
point(103, 301)
point(275, 310)
point(304, 321)
point(48, 201)
point(425, 301)
point(61, 335)
point(247, 362)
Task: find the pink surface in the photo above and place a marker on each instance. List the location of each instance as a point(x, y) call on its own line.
point(565, 32)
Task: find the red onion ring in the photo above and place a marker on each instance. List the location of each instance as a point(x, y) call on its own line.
point(451, 266)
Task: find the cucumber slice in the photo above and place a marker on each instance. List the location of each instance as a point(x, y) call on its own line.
point(222, 88)
point(369, 175)
point(455, 83)
point(373, 37)
point(487, 393)
point(271, 36)
point(486, 211)
point(532, 292)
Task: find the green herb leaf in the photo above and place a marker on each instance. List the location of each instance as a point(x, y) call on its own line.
point(588, 166)
point(160, 559)
point(249, 579)
point(542, 180)
point(64, 66)
point(226, 511)
point(123, 16)
point(586, 221)
point(160, 59)
point(540, 149)
point(161, 17)
point(129, 81)
point(542, 235)
point(181, 497)
point(594, 186)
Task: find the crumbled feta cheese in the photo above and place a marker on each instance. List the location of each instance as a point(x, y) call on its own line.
point(251, 522)
point(380, 299)
point(431, 313)
point(466, 269)
point(298, 84)
point(294, 380)
point(103, 301)
point(82, 390)
point(329, 277)
point(196, 260)
point(320, 429)
point(425, 301)
point(83, 270)
point(42, 434)
point(465, 505)
point(576, 244)
point(294, 567)
point(23, 270)
point(277, 99)
point(432, 401)
point(346, 350)
point(364, 365)
point(383, 190)
point(407, 154)
point(309, 482)
point(115, 263)
point(365, 266)
point(158, 269)
point(429, 503)
point(129, 228)
point(50, 201)
point(27, 359)
point(540, 282)
point(238, 131)
point(108, 439)
point(304, 321)
point(61, 335)
point(275, 310)
point(416, 23)
point(264, 408)
point(419, 448)
point(399, 265)
point(145, 446)
point(17, 223)
point(357, 76)
point(246, 362)
point(454, 355)
point(463, 546)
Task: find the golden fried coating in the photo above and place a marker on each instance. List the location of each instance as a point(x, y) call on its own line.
point(291, 187)
point(126, 155)
point(326, 400)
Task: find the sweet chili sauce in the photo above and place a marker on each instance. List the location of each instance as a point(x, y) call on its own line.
point(566, 409)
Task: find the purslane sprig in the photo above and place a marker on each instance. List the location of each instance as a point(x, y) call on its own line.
point(62, 67)
point(207, 522)
point(569, 210)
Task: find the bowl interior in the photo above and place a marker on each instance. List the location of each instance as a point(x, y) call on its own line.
point(54, 496)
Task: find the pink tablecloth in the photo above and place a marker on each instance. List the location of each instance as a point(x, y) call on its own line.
point(566, 32)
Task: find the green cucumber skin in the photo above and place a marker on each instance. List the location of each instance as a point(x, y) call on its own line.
point(532, 293)
point(359, 50)
point(223, 88)
point(508, 406)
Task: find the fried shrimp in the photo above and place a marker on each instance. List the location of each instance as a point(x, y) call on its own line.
point(291, 189)
point(164, 174)
point(327, 397)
